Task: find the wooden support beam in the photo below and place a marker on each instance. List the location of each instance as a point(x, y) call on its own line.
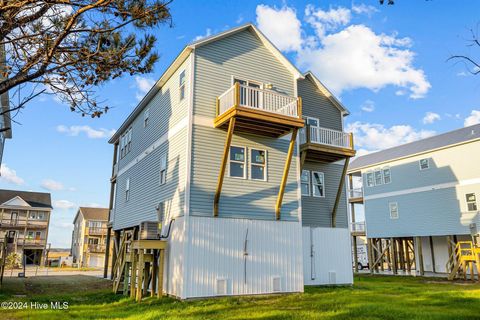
point(407, 256)
point(154, 273)
point(432, 252)
point(160, 273)
point(420, 255)
point(286, 170)
point(303, 156)
point(382, 267)
point(133, 276)
point(107, 252)
point(126, 277)
point(140, 275)
point(401, 254)
point(221, 175)
point(339, 193)
point(394, 255)
point(355, 253)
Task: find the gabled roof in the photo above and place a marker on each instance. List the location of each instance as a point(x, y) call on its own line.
point(17, 202)
point(327, 92)
point(33, 199)
point(184, 54)
point(90, 213)
point(440, 141)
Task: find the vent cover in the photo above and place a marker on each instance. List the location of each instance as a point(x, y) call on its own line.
point(332, 277)
point(277, 284)
point(222, 287)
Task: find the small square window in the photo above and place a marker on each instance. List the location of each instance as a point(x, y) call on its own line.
point(424, 164)
point(393, 210)
point(471, 202)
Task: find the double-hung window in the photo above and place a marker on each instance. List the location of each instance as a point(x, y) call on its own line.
point(146, 116)
point(237, 162)
point(126, 143)
point(471, 202)
point(182, 81)
point(305, 181)
point(258, 164)
point(318, 184)
point(370, 179)
point(163, 169)
point(378, 177)
point(387, 178)
point(127, 189)
point(393, 206)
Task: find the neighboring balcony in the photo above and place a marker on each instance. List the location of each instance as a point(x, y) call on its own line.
point(326, 145)
point(258, 111)
point(357, 228)
point(21, 223)
point(31, 242)
point(355, 195)
point(95, 231)
point(96, 248)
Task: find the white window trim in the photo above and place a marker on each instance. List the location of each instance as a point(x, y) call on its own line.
point(127, 190)
point(163, 156)
point(315, 184)
point(366, 179)
point(248, 81)
point(307, 183)
point(390, 210)
point(244, 162)
point(467, 202)
point(258, 165)
point(182, 85)
point(375, 177)
point(146, 117)
point(383, 173)
point(420, 164)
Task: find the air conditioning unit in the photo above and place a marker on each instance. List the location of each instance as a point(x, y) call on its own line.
point(149, 230)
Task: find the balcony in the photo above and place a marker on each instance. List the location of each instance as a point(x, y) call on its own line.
point(96, 231)
point(355, 195)
point(326, 145)
point(21, 223)
point(357, 228)
point(96, 248)
point(35, 242)
point(258, 111)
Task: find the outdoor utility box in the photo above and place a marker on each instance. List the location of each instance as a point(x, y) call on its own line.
point(149, 230)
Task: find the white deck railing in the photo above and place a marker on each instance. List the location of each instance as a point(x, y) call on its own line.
point(260, 99)
point(357, 226)
point(326, 136)
point(355, 193)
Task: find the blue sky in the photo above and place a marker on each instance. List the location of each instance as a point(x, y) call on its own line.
point(387, 64)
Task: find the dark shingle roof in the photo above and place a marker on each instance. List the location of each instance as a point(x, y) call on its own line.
point(34, 199)
point(405, 150)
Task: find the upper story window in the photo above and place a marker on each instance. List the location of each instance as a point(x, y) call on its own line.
point(471, 202)
point(318, 184)
point(249, 95)
point(126, 143)
point(424, 164)
point(163, 168)
point(393, 206)
point(305, 181)
point(146, 116)
point(387, 178)
point(182, 81)
point(127, 189)
point(378, 177)
point(370, 180)
point(237, 162)
point(36, 215)
point(258, 164)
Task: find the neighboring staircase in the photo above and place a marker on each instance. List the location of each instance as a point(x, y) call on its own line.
point(464, 258)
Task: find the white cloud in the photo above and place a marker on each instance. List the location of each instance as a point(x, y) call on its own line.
point(281, 26)
point(374, 137)
point(52, 185)
point(364, 9)
point(9, 175)
point(239, 19)
point(208, 33)
point(431, 117)
point(368, 106)
point(89, 131)
point(143, 85)
point(474, 118)
point(63, 204)
point(346, 56)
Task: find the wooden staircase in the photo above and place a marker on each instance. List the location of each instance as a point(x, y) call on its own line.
point(464, 257)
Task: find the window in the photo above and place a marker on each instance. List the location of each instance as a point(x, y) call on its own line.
point(126, 143)
point(92, 240)
point(127, 190)
point(318, 184)
point(30, 235)
point(305, 180)
point(386, 175)
point(378, 177)
point(163, 169)
point(237, 162)
point(370, 181)
point(146, 115)
point(182, 85)
point(424, 164)
point(33, 215)
point(471, 202)
point(258, 164)
point(393, 210)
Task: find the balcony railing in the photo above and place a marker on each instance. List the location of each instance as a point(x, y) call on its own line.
point(355, 193)
point(326, 136)
point(22, 222)
point(98, 248)
point(97, 230)
point(33, 241)
point(357, 226)
point(259, 99)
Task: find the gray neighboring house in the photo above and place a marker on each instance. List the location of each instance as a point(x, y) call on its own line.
point(245, 157)
point(420, 199)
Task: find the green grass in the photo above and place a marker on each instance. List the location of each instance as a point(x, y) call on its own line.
point(372, 297)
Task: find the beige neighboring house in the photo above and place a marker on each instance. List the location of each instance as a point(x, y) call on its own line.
point(24, 220)
point(89, 237)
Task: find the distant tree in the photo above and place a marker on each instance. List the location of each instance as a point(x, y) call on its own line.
point(69, 47)
point(12, 261)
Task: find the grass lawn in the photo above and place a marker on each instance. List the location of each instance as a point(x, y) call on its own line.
point(372, 297)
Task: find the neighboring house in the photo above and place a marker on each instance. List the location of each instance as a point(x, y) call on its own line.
point(59, 257)
point(422, 196)
point(5, 121)
point(24, 221)
point(218, 150)
point(89, 237)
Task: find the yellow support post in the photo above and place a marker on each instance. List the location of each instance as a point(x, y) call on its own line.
point(299, 109)
point(223, 165)
point(237, 94)
point(339, 193)
point(286, 169)
point(160, 273)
